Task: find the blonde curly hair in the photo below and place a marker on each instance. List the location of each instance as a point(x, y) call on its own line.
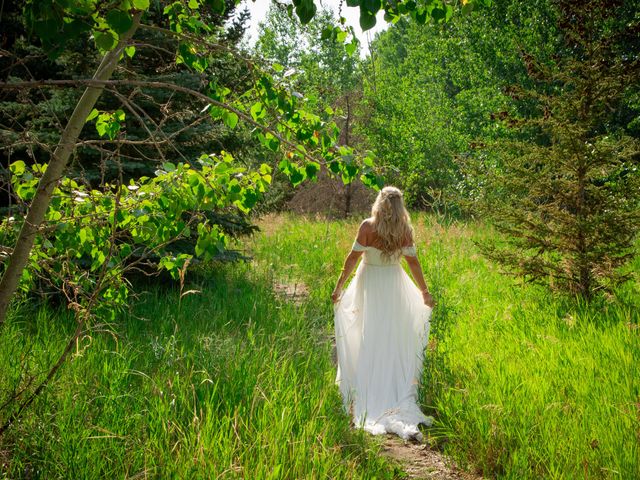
point(391, 221)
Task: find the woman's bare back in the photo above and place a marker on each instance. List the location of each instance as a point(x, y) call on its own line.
point(367, 236)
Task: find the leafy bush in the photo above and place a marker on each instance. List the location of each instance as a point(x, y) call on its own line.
point(92, 238)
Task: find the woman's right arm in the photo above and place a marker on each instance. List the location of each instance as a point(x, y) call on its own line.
point(350, 262)
point(416, 272)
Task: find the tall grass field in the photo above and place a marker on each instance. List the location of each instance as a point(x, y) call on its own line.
point(236, 379)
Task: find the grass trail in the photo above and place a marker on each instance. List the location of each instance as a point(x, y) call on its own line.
point(231, 383)
point(234, 382)
point(523, 385)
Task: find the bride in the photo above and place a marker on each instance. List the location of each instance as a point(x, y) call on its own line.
point(382, 323)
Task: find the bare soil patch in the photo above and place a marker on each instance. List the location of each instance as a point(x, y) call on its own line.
point(331, 197)
point(295, 293)
point(422, 462)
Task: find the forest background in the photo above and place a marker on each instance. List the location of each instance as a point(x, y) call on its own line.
point(513, 129)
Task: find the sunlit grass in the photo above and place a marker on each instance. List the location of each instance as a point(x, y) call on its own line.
point(234, 382)
point(522, 384)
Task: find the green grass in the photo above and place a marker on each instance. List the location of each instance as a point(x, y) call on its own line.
point(234, 383)
point(237, 383)
point(522, 384)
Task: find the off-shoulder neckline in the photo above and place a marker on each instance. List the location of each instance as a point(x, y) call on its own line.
point(376, 248)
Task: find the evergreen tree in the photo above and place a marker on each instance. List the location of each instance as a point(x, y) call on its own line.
point(165, 114)
point(568, 183)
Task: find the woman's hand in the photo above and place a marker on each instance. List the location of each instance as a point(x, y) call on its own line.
point(335, 295)
point(428, 299)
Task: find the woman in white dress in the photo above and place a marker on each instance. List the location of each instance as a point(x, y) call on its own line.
point(382, 323)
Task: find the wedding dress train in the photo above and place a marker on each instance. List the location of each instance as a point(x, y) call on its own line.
point(382, 326)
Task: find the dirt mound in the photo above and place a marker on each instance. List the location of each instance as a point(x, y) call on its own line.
point(331, 197)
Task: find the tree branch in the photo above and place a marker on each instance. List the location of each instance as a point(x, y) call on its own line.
point(159, 85)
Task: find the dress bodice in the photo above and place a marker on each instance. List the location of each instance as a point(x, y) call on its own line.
point(373, 255)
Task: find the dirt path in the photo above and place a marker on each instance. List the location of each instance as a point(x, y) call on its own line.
point(295, 293)
point(421, 462)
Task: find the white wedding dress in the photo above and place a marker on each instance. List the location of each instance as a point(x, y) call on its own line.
point(382, 326)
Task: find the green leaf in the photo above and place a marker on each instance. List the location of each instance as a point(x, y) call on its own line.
point(193, 180)
point(273, 143)
point(230, 119)
point(105, 41)
point(265, 169)
point(140, 4)
point(372, 181)
point(249, 199)
point(449, 13)
point(75, 28)
point(438, 14)
point(277, 67)
point(130, 51)
point(25, 192)
point(216, 113)
point(257, 111)
point(312, 169)
point(368, 179)
point(26, 276)
point(390, 17)
point(368, 161)
point(305, 10)
point(17, 168)
point(221, 168)
point(371, 6)
point(350, 171)
point(119, 21)
point(367, 21)
point(94, 113)
point(285, 166)
point(193, 4)
point(101, 128)
point(109, 124)
point(218, 6)
point(350, 47)
point(297, 175)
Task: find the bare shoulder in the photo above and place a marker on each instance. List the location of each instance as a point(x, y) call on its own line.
point(367, 225)
point(409, 241)
point(364, 231)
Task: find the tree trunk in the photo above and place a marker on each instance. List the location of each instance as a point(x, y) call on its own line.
point(55, 169)
point(347, 191)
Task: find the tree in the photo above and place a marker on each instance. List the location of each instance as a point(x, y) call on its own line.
point(319, 68)
point(569, 181)
point(162, 123)
point(58, 22)
point(430, 91)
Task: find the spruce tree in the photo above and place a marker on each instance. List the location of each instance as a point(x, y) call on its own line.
point(565, 188)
